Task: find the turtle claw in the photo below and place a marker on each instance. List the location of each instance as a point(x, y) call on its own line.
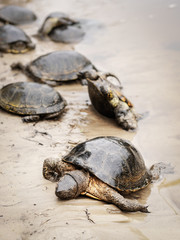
point(31, 118)
point(145, 209)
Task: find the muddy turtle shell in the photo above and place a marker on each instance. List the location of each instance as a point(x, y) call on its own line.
point(59, 66)
point(100, 100)
point(26, 98)
point(10, 34)
point(16, 15)
point(113, 160)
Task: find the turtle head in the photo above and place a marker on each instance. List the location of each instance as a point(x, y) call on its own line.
point(72, 184)
point(20, 47)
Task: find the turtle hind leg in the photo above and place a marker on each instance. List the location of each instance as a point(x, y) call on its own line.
point(36, 118)
point(52, 115)
point(158, 170)
point(102, 191)
point(31, 118)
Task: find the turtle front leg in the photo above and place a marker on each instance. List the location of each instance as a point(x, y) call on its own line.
point(31, 118)
point(103, 192)
point(53, 169)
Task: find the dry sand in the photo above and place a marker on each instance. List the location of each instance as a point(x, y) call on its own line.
point(140, 42)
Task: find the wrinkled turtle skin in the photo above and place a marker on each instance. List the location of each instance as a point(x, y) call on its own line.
point(14, 40)
point(102, 168)
point(60, 28)
point(108, 99)
point(33, 101)
point(56, 67)
point(16, 15)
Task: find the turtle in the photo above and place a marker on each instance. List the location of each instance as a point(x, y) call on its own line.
point(106, 168)
point(33, 101)
point(56, 67)
point(16, 15)
point(14, 40)
point(60, 28)
point(108, 100)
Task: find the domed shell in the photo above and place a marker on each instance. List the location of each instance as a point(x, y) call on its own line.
point(26, 98)
point(10, 34)
point(16, 15)
point(59, 66)
point(70, 34)
point(113, 160)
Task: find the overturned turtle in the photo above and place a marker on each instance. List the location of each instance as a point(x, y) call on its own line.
point(56, 67)
point(33, 101)
point(14, 40)
point(107, 99)
point(16, 15)
point(61, 28)
point(102, 168)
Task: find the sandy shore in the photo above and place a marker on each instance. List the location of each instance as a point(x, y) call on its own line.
point(139, 42)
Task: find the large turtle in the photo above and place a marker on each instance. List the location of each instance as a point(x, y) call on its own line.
point(102, 168)
point(56, 67)
point(14, 40)
point(16, 15)
point(107, 99)
point(33, 101)
point(60, 28)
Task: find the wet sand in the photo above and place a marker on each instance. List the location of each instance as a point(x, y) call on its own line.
point(140, 42)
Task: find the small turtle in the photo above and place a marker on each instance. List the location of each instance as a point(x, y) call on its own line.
point(34, 101)
point(60, 28)
point(108, 99)
point(102, 168)
point(16, 15)
point(14, 40)
point(56, 67)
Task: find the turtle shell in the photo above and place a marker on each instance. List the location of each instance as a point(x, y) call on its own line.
point(10, 34)
point(69, 34)
point(59, 66)
point(113, 160)
point(26, 98)
point(16, 15)
point(100, 100)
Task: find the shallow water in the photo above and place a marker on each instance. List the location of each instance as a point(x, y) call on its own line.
point(140, 42)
